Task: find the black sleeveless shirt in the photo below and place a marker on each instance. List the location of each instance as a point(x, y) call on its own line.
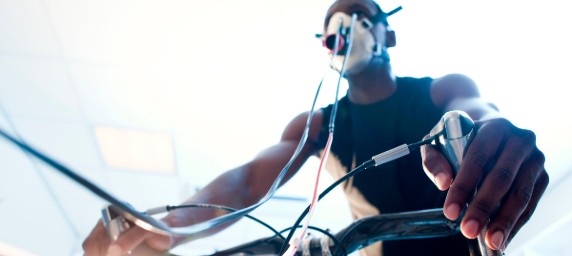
point(362, 131)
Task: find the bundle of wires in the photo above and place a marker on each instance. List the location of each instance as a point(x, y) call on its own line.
point(294, 244)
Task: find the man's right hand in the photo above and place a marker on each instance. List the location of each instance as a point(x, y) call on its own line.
point(136, 241)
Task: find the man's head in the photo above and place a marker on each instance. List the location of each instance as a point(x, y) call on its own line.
point(364, 8)
point(372, 35)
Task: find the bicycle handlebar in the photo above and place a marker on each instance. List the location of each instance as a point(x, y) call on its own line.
point(361, 233)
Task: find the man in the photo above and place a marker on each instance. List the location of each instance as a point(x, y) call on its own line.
point(379, 112)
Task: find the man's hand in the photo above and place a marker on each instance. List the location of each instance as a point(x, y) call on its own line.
point(506, 170)
point(136, 241)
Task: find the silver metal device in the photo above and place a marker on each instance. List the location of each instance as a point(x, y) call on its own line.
point(117, 221)
point(114, 223)
point(454, 132)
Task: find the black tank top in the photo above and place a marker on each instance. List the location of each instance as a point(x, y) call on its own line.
point(362, 131)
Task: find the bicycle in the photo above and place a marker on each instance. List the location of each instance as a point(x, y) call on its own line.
point(430, 223)
point(452, 134)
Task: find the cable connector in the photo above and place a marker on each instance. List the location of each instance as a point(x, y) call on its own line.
point(306, 250)
point(325, 245)
point(294, 244)
point(157, 210)
point(391, 154)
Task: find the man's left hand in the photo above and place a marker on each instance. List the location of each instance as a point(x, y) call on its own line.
point(501, 179)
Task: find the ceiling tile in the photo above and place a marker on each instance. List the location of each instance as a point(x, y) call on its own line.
point(144, 191)
point(80, 206)
point(29, 212)
point(136, 150)
point(37, 88)
point(71, 144)
point(87, 30)
point(23, 24)
point(119, 96)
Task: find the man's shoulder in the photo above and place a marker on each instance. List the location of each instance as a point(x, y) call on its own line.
point(452, 86)
point(410, 84)
point(454, 79)
point(414, 79)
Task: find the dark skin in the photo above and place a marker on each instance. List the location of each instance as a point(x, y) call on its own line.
point(503, 163)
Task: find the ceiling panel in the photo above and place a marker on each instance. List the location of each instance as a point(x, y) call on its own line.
point(37, 88)
point(30, 213)
point(148, 31)
point(88, 30)
point(69, 143)
point(23, 24)
point(145, 191)
point(132, 97)
point(81, 207)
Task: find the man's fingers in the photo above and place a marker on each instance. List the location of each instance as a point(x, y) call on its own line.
point(539, 188)
point(436, 166)
point(97, 241)
point(497, 183)
point(128, 241)
point(479, 154)
point(516, 201)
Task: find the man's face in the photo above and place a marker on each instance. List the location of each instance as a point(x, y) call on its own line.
point(364, 9)
point(369, 49)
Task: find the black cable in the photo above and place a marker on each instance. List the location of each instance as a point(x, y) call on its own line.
point(49, 187)
point(77, 178)
point(418, 144)
point(354, 172)
point(334, 238)
point(229, 209)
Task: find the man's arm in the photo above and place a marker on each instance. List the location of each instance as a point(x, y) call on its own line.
point(250, 182)
point(237, 188)
point(502, 160)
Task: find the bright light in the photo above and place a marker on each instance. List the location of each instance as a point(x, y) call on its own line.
point(136, 150)
point(7, 249)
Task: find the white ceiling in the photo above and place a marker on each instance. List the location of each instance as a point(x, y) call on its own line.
point(216, 77)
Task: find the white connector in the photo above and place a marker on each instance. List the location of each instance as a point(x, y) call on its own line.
point(294, 244)
point(391, 154)
point(156, 210)
point(325, 245)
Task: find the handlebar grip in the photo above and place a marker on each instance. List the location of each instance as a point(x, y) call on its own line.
point(114, 223)
point(454, 132)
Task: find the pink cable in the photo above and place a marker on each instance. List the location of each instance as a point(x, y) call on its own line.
point(315, 194)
